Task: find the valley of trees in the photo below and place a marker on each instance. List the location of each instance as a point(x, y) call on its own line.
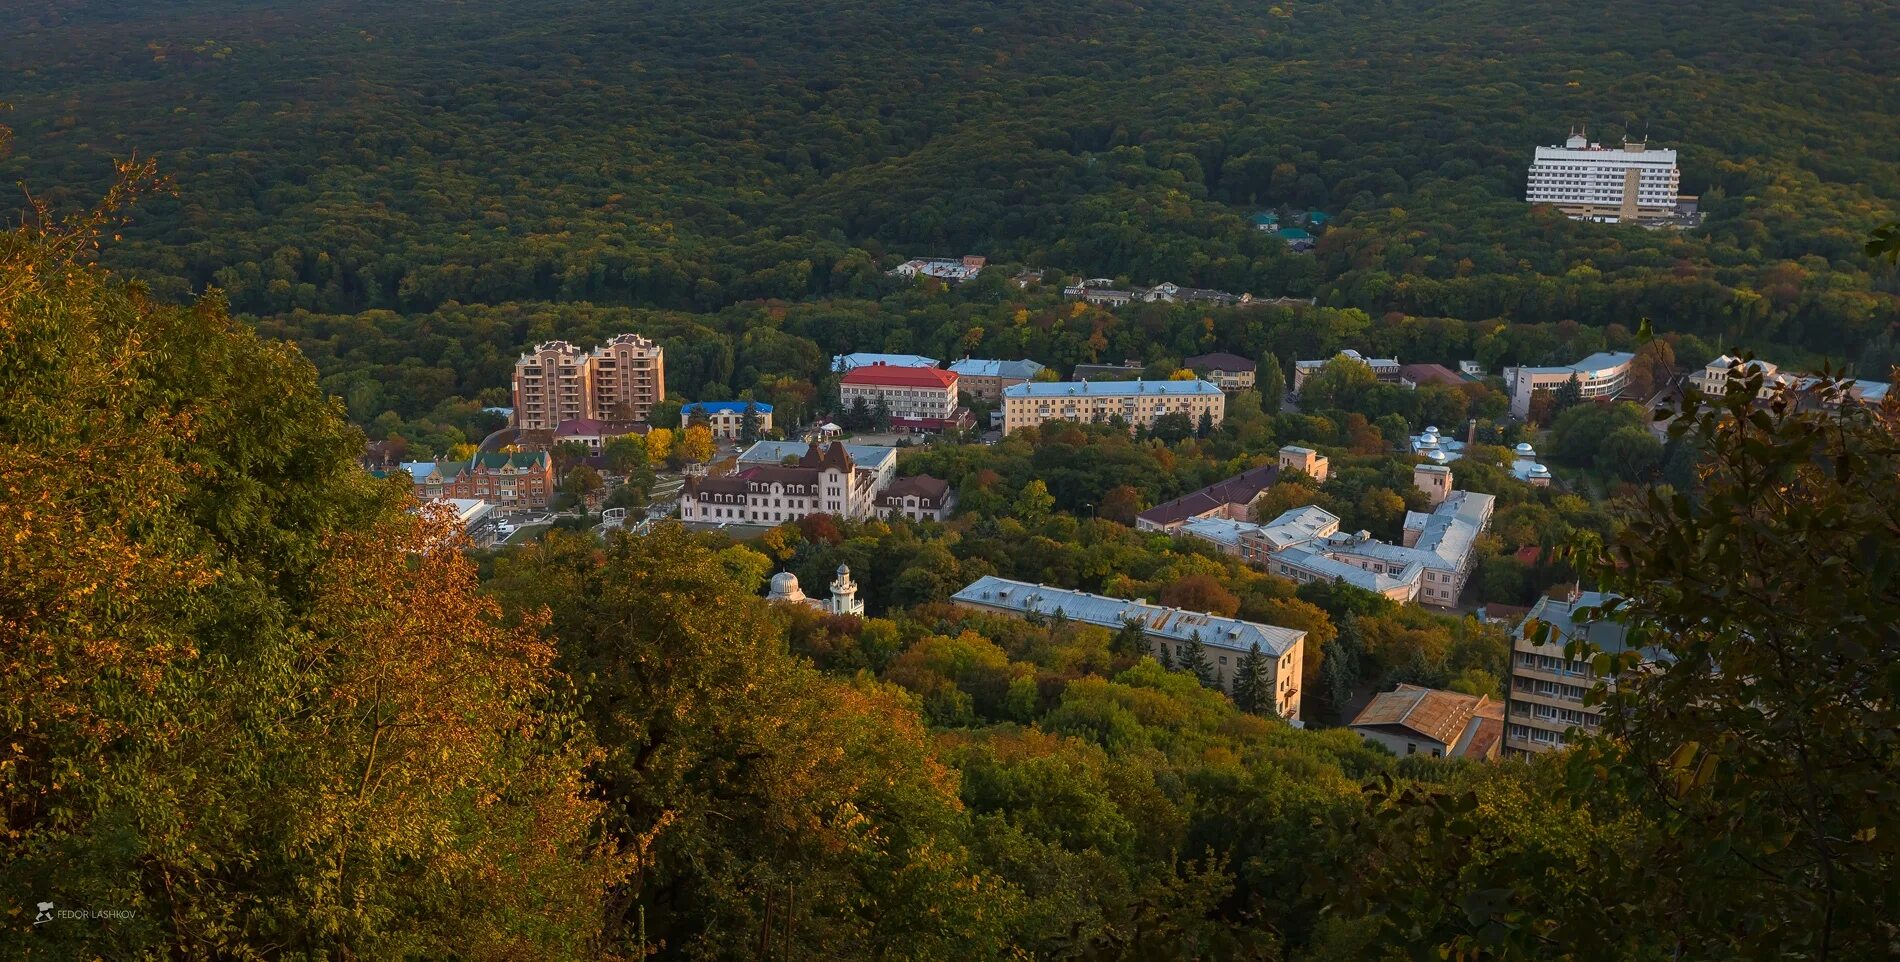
point(254, 706)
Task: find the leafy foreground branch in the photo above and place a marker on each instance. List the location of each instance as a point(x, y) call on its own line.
point(1740, 801)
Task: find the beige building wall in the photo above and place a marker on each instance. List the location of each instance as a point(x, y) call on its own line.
point(553, 383)
point(629, 378)
point(1139, 410)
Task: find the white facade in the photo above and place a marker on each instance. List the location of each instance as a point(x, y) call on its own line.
point(844, 598)
point(1604, 374)
point(1138, 403)
point(1589, 181)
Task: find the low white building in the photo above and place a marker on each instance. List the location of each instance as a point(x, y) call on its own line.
point(1171, 630)
point(1717, 376)
point(1384, 369)
point(1603, 374)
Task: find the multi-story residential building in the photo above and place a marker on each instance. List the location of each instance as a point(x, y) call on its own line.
point(986, 379)
point(1715, 379)
point(629, 378)
point(1306, 461)
point(1588, 181)
point(523, 479)
point(1231, 371)
point(1410, 720)
point(558, 382)
point(726, 419)
point(1546, 694)
point(1601, 375)
point(879, 460)
point(918, 398)
point(1386, 369)
point(1137, 403)
point(845, 363)
point(1167, 292)
point(1171, 630)
point(553, 383)
point(917, 498)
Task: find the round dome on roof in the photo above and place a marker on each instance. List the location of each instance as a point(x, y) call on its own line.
point(785, 588)
point(1539, 471)
point(1431, 431)
point(1436, 455)
point(1524, 449)
point(844, 571)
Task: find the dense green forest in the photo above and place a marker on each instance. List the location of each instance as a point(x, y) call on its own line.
point(574, 160)
point(252, 708)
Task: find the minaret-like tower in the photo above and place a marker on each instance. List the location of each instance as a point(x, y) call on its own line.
point(844, 594)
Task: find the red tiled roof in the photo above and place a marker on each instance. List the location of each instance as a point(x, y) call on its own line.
point(1430, 374)
point(1242, 488)
point(882, 374)
point(933, 491)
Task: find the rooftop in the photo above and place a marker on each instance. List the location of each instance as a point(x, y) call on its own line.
point(1220, 360)
point(845, 362)
point(1171, 623)
point(983, 367)
point(775, 452)
point(724, 407)
point(901, 375)
point(1242, 488)
point(1600, 361)
point(1056, 389)
point(1452, 719)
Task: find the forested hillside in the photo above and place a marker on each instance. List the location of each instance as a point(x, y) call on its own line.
point(342, 156)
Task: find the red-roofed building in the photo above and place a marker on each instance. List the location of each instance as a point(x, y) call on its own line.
point(919, 398)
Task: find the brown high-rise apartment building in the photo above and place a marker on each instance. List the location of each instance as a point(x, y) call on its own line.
point(629, 378)
point(557, 382)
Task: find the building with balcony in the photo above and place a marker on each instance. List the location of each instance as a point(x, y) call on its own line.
point(1588, 181)
point(1545, 697)
point(1137, 403)
point(1171, 630)
point(557, 382)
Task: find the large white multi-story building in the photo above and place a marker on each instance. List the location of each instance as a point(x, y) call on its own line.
point(1173, 631)
point(1589, 181)
point(825, 479)
point(920, 398)
point(1137, 403)
point(1716, 377)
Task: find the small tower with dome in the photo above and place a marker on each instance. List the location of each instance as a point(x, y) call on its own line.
point(844, 594)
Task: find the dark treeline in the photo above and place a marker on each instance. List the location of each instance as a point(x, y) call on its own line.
point(687, 156)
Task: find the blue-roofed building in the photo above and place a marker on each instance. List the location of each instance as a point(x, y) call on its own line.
point(844, 363)
point(1266, 220)
point(1169, 632)
point(985, 378)
point(1137, 403)
point(727, 418)
point(1297, 238)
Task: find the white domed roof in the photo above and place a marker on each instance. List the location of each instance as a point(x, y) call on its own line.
point(1436, 455)
point(1524, 448)
point(785, 588)
point(1539, 471)
point(1431, 431)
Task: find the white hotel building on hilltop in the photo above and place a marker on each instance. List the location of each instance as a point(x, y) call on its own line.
point(1612, 185)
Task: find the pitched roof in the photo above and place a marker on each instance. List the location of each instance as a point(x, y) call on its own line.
point(1242, 488)
point(1430, 374)
point(496, 460)
point(882, 374)
point(846, 362)
point(932, 491)
point(984, 367)
point(775, 452)
point(1219, 360)
point(833, 455)
point(1446, 717)
point(1175, 624)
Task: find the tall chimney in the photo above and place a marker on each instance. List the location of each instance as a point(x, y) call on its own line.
point(1471, 432)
